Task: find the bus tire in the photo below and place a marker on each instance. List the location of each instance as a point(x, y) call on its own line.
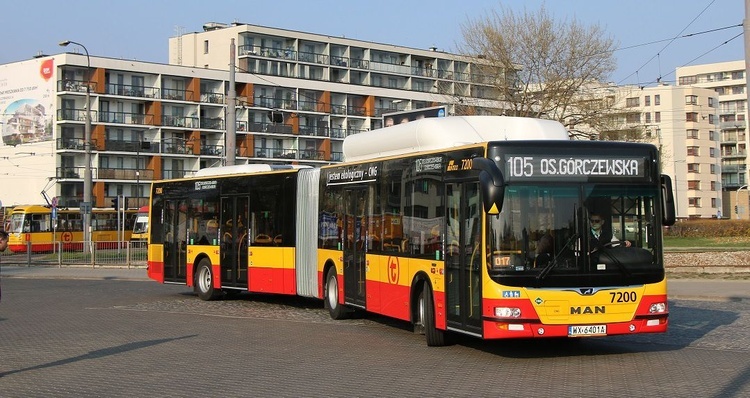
point(204, 281)
point(434, 336)
point(331, 299)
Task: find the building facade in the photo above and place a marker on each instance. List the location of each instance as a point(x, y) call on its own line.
point(683, 123)
point(298, 96)
point(729, 81)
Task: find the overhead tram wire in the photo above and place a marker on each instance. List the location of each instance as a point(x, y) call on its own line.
point(668, 44)
point(660, 79)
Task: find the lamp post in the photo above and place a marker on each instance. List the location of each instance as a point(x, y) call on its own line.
point(86, 204)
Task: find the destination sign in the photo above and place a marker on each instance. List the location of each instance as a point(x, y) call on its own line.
point(534, 167)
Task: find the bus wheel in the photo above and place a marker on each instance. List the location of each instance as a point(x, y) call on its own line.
point(204, 281)
point(331, 301)
point(434, 336)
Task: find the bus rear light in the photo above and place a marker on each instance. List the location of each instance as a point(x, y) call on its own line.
point(507, 312)
point(658, 308)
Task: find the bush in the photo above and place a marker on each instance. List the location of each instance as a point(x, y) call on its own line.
point(705, 228)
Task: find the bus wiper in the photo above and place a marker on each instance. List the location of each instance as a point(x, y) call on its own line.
point(548, 268)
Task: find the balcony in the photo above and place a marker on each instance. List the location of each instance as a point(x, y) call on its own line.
point(130, 146)
point(276, 153)
point(313, 58)
point(339, 61)
point(125, 118)
point(179, 121)
point(213, 123)
point(355, 110)
point(314, 131)
point(270, 128)
point(71, 143)
point(175, 94)
point(77, 115)
point(126, 90)
point(77, 86)
point(212, 150)
point(212, 98)
point(126, 174)
point(69, 172)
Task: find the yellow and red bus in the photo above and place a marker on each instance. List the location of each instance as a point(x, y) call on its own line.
point(436, 222)
point(33, 227)
point(140, 225)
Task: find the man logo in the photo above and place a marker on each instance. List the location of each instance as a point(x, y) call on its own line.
point(588, 291)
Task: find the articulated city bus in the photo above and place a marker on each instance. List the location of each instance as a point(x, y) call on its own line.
point(140, 225)
point(33, 227)
point(475, 225)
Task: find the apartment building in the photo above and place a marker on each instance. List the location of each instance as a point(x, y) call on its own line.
point(729, 81)
point(683, 123)
point(298, 95)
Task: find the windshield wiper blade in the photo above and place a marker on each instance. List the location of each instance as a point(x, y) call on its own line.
point(548, 268)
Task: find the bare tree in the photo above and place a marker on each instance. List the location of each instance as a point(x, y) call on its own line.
point(538, 67)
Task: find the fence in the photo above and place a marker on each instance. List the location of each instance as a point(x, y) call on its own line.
point(124, 254)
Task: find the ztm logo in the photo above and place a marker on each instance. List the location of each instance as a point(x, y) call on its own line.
point(393, 270)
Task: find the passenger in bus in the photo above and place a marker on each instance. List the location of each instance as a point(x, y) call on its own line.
point(600, 235)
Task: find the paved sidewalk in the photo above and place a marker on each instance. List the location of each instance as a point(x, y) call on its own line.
point(680, 289)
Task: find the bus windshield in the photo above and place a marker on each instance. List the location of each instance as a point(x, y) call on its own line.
point(545, 236)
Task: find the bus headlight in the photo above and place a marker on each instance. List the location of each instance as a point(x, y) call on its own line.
point(507, 312)
point(658, 308)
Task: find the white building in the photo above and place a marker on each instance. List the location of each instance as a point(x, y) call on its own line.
point(729, 81)
point(298, 96)
point(683, 123)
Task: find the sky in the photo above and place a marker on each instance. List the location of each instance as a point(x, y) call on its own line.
point(654, 36)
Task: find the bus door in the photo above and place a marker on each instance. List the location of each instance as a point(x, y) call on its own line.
point(175, 240)
point(234, 238)
point(355, 223)
point(464, 257)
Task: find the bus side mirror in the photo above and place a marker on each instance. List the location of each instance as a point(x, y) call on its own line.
point(667, 201)
point(491, 184)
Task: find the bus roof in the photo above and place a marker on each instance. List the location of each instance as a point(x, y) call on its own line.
point(244, 169)
point(447, 132)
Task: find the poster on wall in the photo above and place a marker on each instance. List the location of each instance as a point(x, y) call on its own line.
point(27, 101)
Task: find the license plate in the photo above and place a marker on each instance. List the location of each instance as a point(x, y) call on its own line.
point(587, 330)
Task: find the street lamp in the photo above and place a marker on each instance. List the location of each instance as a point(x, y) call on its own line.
point(86, 204)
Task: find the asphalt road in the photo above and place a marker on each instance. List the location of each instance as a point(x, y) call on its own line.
point(65, 337)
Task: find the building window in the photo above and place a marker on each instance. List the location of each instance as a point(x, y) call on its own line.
point(691, 100)
point(657, 99)
point(687, 80)
point(711, 118)
point(693, 151)
point(740, 74)
point(719, 90)
point(647, 100)
point(738, 90)
point(633, 118)
point(694, 185)
point(632, 102)
point(711, 102)
point(713, 169)
point(693, 168)
point(713, 203)
point(694, 202)
point(205, 46)
point(648, 117)
point(712, 152)
point(712, 135)
point(713, 185)
point(692, 133)
point(657, 117)
point(691, 116)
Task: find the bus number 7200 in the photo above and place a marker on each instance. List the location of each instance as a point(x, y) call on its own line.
point(623, 297)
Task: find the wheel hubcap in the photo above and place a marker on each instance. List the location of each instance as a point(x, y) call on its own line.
point(333, 292)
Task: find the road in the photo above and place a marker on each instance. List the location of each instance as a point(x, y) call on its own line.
point(123, 338)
